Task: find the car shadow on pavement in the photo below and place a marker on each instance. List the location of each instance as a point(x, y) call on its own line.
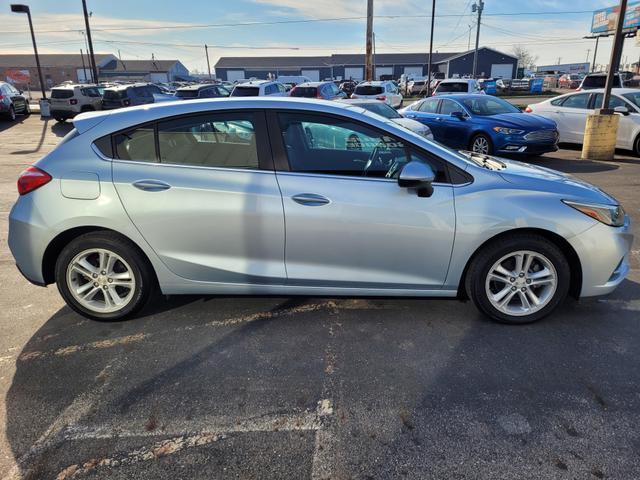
point(61, 128)
point(6, 124)
point(415, 388)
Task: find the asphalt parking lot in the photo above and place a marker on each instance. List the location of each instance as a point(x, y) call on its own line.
point(213, 387)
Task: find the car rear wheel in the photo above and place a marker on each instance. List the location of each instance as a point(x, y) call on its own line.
point(60, 119)
point(636, 146)
point(518, 279)
point(11, 115)
point(103, 276)
point(480, 143)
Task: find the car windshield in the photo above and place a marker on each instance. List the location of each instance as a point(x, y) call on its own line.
point(309, 92)
point(487, 106)
point(381, 109)
point(245, 91)
point(598, 81)
point(187, 93)
point(457, 87)
point(633, 97)
point(115, 94)
point(369, 90)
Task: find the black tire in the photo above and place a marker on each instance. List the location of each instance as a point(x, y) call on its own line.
point(493, 252)
point(486, 139)
point(87, 108)
point(636, 146)
point(27, 109)
point(145, 281)
point(60, 119)
point(11, 115)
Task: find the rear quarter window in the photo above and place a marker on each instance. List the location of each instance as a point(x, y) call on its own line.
point(308, 92)
point(245, 92)
point(61, 93)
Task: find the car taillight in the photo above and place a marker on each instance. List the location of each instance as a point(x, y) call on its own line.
point(73, 101)
point(1, 97)
point(31, 179)
point(381, 98)
point(528, 109)
point(291, 91)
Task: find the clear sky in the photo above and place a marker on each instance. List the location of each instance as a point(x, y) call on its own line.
point(136, 28)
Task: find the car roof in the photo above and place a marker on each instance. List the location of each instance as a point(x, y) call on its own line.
point(619, 90)
point(375, 83)
point(457, 80)
point(198, 86)
point(360, 101)
point(255, 83)
point(312, 84)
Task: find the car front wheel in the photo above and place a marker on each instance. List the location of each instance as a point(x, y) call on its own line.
point(519, 279)
point(103, 276)
point(481, 144)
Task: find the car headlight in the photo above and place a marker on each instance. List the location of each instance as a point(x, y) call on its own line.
point(612, 215)
point(508, 131)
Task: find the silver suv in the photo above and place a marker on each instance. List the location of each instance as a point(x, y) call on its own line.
point(69, 100)
point(259, 88)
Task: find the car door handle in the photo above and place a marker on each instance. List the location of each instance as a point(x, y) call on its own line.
point(151, 185)
point(439, 119)
point(310, 199)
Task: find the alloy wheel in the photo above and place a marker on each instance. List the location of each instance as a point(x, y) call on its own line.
point(12, 114)
point(521, 283)
point(100, 280)
point(480, 145)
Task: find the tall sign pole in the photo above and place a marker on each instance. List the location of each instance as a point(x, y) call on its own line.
point(616, 53)
point(477, 7)
point(92, 57)
point(368, 74)
point(433, 17)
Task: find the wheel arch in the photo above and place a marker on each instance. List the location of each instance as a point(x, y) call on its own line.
point(56, 245)
point(566, 248)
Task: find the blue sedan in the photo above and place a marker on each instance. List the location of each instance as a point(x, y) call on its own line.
point(484, 124)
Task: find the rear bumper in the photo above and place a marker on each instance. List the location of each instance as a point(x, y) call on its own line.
point(604, 254)
point(56, 113)
point(28, 239)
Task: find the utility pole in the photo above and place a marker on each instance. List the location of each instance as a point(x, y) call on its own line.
point(92, 56)
point(368, 69)
point(433, 17)
point(84, 69)
point(206, 52)
point(477, 7)
point(374, 56)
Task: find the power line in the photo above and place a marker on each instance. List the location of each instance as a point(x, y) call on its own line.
point(311, 20)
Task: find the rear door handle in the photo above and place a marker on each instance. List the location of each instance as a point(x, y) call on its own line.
point(151, 185)
point(310, 199)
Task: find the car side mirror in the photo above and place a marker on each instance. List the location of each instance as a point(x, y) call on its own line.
point(419, 176)
point(621, 109)
point(459, 115)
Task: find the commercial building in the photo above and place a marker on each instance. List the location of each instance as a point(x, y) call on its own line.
point(21, 69)
point(491, 63)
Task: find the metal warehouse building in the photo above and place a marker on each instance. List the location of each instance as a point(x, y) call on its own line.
point(491, 63)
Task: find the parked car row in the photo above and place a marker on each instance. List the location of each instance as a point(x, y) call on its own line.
point(570, 113)
point(12, 102)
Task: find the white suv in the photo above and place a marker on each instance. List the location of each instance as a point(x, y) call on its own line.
point(460, 85)
point(385, 91)
point(259, 88)
point(69, 100)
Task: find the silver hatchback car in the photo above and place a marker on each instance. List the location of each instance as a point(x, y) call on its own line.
point(283, 196)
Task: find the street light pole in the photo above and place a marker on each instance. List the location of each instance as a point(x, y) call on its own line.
point(15, 8)
point(206, 52)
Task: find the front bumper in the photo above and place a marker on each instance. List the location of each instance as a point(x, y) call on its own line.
point(604, 254)
point(518, 146)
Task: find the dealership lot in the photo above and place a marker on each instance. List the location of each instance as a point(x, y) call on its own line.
point(317, 388)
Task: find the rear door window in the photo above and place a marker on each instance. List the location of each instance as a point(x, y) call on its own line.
point(136, 144)
point(453, 87)
point(447, 107)
point(245, 92)
point(61, 93)
point(369, 90)
point(209, 140)
point(577, 101)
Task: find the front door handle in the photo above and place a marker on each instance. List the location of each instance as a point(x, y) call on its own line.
point(310, 199)
point(151, 185)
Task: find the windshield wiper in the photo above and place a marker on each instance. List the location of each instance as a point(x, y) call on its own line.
point(486, 161)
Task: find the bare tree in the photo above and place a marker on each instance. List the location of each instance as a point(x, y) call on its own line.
point(526, 59)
